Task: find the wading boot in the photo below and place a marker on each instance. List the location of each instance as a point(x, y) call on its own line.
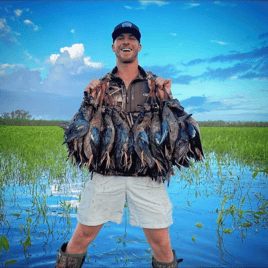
point(173, 264)
point(65, 260)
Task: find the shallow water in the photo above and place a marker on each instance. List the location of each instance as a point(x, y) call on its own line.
point(47, 214)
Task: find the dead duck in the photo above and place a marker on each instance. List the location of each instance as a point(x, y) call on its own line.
point(93, 137)
point(170, 131)
point(155, 138)
point(107, 139)
point(77, 129)
point(174, 104)
point(141, 137)
point(181, 148)
point(121, 139)
point(195, 139)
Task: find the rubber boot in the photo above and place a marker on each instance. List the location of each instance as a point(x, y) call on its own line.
point(173, 264)
point(65, 260)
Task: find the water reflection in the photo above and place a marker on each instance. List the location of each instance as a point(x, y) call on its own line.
point(219, 211)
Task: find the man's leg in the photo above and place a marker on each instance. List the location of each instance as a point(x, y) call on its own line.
point(82, 237)
point(159, 241)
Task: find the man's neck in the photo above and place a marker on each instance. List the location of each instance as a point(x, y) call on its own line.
point(127, 71)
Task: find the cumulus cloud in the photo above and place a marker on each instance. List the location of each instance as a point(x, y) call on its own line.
point(75, 51)
point(32, 25)
point(76, 55)
point(92, 64)
point(6, 34)
point(53, 58)
point(69, 72)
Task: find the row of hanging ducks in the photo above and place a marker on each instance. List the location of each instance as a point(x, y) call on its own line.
point(104, 139)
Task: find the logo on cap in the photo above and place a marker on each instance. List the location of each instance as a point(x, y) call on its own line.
point(126, 24)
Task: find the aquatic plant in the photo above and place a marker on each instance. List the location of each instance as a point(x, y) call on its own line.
point(4, 243)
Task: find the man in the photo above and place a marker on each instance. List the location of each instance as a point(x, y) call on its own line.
point(104, 196)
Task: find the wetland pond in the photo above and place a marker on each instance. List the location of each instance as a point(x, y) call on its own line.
point(219, 211)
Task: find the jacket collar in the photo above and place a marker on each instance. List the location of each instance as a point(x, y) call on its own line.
point(142, 74)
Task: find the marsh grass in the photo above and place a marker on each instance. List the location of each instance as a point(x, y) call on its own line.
point(34, 158)
point(248, 145)
point(27, 153)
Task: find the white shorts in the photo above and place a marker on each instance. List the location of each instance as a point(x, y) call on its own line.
point(104, 198)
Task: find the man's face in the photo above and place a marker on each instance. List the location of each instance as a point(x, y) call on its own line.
point(126, 47)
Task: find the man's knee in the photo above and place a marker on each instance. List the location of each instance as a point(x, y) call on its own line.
point(89, 232)
point(157, 237)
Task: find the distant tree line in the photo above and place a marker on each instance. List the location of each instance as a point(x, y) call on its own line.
point(23, 118)
point(221, 123)
point(18, 114)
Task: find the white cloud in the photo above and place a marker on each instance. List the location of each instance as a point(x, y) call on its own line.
point(128, 7)
point(219, 42)
point(190, 5)
point(173, 34)
point(53, 58)
point(32, 25)
point(18, 12)
point(75, 51)
point(6, 34)
point(92, 64)
point(74, 59)
point(145, 3)
point(72, 31)
point(11, 66)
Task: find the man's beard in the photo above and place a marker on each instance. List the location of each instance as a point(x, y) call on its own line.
point(127, 60)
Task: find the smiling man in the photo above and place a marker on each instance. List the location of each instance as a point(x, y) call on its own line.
point(104, 196)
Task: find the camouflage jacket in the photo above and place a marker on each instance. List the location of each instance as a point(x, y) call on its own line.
point(129, 98)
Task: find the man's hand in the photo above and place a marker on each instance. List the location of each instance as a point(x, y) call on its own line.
point(92, 86)
point(163, 85)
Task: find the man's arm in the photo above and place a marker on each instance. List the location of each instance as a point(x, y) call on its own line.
point(162, 83)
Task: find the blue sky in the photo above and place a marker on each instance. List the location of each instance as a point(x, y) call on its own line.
point(215, 52)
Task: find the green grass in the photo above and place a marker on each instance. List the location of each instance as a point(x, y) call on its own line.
point(246, 144)
point(29, 152)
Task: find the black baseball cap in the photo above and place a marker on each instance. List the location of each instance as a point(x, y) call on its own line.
point(126, 27)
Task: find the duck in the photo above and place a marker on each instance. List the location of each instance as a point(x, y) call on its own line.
point(107, 139)
point(122, 130)
point(141, 136)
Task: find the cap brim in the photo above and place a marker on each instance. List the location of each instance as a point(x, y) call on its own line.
point(133, 31)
